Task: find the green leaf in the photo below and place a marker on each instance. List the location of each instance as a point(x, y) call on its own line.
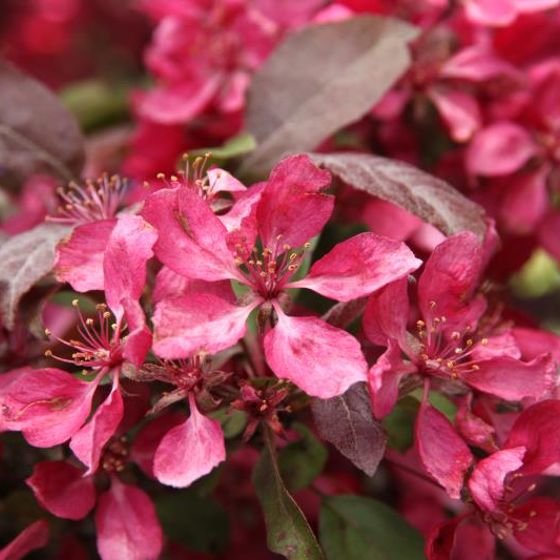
point(302, 461)
point(95, 103)
point(239, 145)
point(288, 532)
point(200, 524)
point(399, 424)
point(356, 528)
point(233, 421)
point(439, 401)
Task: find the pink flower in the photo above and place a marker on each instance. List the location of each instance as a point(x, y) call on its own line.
point(284, 213)
point(522, 143)
point(452, 341)
point(204, 53)
point(125, 518)
point(49, 406)
point(532, 446)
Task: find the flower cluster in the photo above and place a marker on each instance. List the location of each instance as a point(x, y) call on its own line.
point(217, 269)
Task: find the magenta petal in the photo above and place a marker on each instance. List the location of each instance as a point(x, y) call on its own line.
point(128, 251)
point(477, 63)
point(499, 149)
point(513, 379)
point(32, 537)
point(222, 181)
point(79, 259)
point(486, 483)
point(193, 240)
point(292, 209)
point(198, 322)
point(384, 378)
point(61, 489)
point(359, 266)
point(450, 277)
point(549, 234)
point(320, 359)
point(474, 429)
point(491, 12)
point(386, 313)
point(525, 202)
point(139, 338)
point(458, 110)
point(179, 103)
point(443, 453)
point(538, 430)
point(539, 529)
point(149, 438)
point(88, 443)
point(48, 405)
point(127, 524)
point(190, 450)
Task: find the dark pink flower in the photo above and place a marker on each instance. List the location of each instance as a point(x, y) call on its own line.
point(284, 215)
point(496, 486)
point(452, 341)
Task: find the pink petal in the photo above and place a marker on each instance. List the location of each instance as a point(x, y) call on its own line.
point(222, 181)
point(190, 450)
point(477, 63)
point(177, 104)
point(443, 453)
point(386, 313)
point(79, 259)
point(458, 110)
point(61, 489)
point(539, 527)
point(512, 379)
point(48, 405)
point(198, 322)
point(473, 429)
point(535, 342)
point(528, 6)
point(384, 378)
point(525, 202)
point(149, 438)
point(538, 430)
point(33, 537)
point(389, 220)
point(193, 240)
point(128, 251)
point(138, 341)
point(292, 208)
point(549, 234)
point(320, 359)
point(88, 443)
point(491, 12)
point(127, 525)
point(450, 277)
point(497, 346)
point(487, 481)
point(499, 149)
point(359, 266)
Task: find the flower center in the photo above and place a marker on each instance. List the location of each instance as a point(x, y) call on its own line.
point(447, 354)
point(267, 272)
point(91, 202)
point(100, 347)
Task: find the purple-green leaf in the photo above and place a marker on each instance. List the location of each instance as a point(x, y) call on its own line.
point(37, 133)
point(321, 79)
point(348, 423)
point(26, 258)
point(422, 194)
